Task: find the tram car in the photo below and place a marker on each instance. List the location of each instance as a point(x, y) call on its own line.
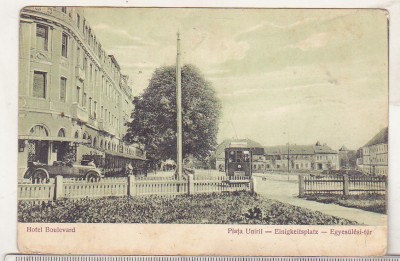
point(240, 156)
point(238, 162)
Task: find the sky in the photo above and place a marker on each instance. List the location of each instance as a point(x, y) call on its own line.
point(282, 75)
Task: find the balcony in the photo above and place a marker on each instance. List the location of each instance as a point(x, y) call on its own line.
point(61, 107)
point(93, 121)
point(100, 124)
point(104, 126)
point(110, 129)
point(79, 73)
point(34, 103)
point(79, 113)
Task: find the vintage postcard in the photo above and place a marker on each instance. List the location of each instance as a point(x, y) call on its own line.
point(203, 131)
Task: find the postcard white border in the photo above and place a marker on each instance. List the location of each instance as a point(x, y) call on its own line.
point(9, 14)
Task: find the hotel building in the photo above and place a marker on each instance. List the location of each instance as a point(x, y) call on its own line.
point(73, 99)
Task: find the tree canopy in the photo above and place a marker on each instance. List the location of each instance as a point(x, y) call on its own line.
point(154, 115)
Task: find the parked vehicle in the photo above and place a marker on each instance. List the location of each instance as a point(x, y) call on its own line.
point(41, 173)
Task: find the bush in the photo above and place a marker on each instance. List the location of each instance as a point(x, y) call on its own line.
point(222, 208)
point(369, 202)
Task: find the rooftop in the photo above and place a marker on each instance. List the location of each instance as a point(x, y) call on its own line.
point(299, 149)
point(381, 137)
point(235, 143)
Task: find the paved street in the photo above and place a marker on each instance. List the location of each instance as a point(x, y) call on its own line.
point(277, 188)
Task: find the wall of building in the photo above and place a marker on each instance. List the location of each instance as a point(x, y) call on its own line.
point(374, 159)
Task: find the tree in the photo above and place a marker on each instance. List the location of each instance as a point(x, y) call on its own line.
point(352, 159)
point(154, 116)
point(329, 166)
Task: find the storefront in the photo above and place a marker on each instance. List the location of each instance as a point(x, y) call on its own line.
point(38, 146)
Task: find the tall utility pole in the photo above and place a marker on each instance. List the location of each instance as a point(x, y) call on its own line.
point(179, 107)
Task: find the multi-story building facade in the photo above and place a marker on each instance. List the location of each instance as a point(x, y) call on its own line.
point(73, 99)
point(374, 155)
point(301, 158)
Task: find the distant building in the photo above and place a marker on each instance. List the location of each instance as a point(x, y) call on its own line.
point(347, 158)
point(373, 156)
point(258, 153)
point(301, 158)
point(284, 158)
point(343, 157)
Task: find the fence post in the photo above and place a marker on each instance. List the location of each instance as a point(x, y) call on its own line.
point(345, 185)
point(58, 187)
point(131, 186)
point(301, 185)
point(190, 184)
point(253, 185)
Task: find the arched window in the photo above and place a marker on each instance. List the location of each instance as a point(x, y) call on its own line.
point(94, 142)
point(85, 136)
point(101, 144)
point(39, 130)
point(109, 146)
point(90, 139)
point(61, 133)
point(76, 135)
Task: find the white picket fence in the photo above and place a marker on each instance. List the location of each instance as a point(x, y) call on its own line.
point(35, 192)
point(80, 188)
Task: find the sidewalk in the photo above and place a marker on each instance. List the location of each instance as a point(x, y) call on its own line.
point(287, 192)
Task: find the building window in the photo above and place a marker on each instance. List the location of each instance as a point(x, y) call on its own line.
point(78, 94)
point(78, 56)
point(84, 100)
point(95, 110)
point(61, 133)
point(42, 37)
point(64, 9)
point(102, 84)
point(63, 89)
point(64, 45)
point(39, 131)
point(90, 106)
point(95, 77)
point(39, 84)
point(78, 20)
point(84, 63)
point(91, 73)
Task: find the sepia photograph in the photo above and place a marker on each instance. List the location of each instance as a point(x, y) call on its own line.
point(217, 116)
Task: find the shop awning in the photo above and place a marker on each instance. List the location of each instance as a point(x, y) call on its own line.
point(66, 139)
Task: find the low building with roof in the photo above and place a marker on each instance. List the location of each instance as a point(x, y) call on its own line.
point(373, 156)
point(294, 157)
